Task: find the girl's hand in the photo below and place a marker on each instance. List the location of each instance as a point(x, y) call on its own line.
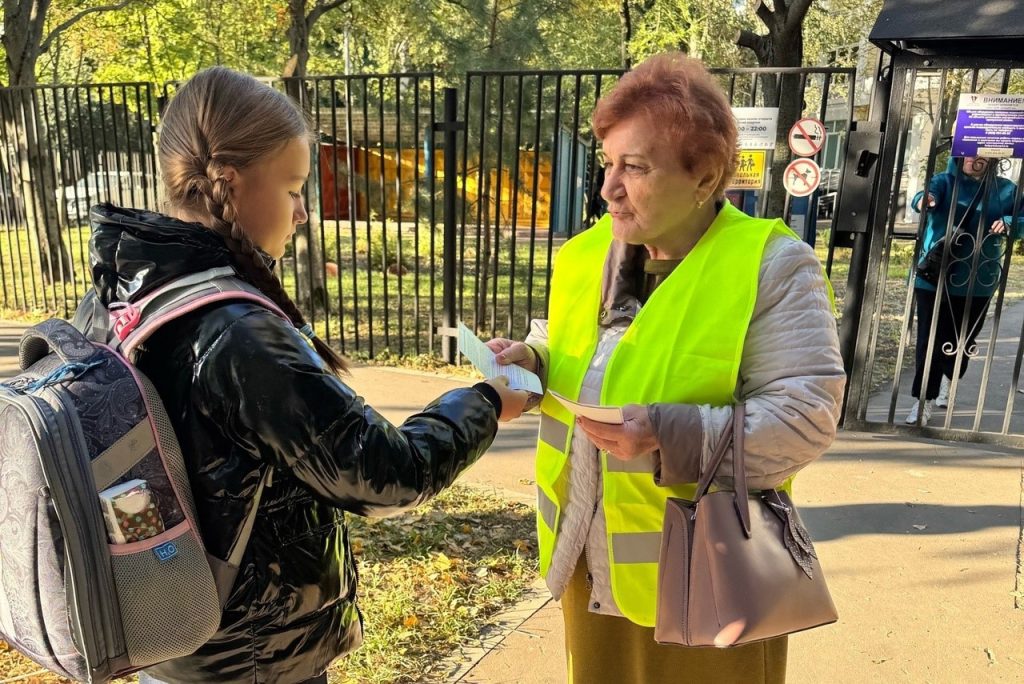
point(512, 401)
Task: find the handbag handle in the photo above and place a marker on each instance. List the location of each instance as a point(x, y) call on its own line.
point(732, 435)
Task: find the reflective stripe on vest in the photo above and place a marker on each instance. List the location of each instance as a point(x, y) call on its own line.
point(684, 346)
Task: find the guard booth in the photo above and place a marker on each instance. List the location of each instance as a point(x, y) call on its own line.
point(937, 172)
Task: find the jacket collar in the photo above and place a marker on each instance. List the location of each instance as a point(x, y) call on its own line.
point(133, 252)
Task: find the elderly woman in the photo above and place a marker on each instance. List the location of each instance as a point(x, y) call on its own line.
point(675, 306)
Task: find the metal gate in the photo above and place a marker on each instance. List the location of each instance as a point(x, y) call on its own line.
point(960, 337)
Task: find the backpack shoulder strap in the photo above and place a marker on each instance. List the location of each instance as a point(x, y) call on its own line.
point(132, 324)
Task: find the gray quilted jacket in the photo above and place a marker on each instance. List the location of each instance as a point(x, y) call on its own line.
point(791, 381)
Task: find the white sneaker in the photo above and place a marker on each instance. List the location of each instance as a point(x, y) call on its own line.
point(942, 401)
point(913, 415)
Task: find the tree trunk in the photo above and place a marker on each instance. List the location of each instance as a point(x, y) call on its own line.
point(298, 40)
point(788, 98)
point(627, 32)
point(34, 182)
point(33, 160)
point(783, 46)
point(310, 288)
point(309, 266)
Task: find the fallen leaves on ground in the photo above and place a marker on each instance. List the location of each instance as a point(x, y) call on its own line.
point(429, 580)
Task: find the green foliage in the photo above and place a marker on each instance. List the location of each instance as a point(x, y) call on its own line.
point(704, 29)
point(167, 40)
point(832, 24)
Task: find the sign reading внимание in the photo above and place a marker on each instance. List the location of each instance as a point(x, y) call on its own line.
point(989, 126)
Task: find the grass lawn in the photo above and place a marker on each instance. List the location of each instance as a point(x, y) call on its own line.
point(358, 316)
point(361, 319)
point(428, 581)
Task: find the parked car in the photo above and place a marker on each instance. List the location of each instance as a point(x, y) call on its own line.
point(123, 188)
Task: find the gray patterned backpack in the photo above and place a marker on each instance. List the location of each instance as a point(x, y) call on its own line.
point(102, 567)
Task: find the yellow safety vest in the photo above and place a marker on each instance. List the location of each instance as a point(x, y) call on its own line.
point(684, 346)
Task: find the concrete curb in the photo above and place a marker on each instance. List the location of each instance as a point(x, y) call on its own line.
point(495, 632)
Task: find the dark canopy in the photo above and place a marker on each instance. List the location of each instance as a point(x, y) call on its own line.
point(968, 28)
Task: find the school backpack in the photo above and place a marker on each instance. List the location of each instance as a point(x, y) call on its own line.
point(102, 568)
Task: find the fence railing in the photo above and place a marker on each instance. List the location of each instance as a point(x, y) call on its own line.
point(369, 267)
point(62, 149)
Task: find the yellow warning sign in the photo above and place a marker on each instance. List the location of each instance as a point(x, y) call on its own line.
point(749, 171)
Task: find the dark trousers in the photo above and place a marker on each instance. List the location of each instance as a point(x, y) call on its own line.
point(947, 335)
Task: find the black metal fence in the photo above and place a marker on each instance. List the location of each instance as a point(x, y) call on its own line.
point(369, 267)
point(62, 149)
point(366, 267)
point(529, 176)
point(527, 182)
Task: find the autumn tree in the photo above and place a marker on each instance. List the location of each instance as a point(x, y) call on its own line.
point(302, 19)
point(701, 28)
point(781, 46)
point(27, 34)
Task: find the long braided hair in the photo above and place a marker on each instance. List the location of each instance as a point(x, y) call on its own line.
point(223, 118)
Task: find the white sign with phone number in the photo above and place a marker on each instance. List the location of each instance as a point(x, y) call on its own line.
point(757, 127)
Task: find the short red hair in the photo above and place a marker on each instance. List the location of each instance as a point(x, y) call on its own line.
point(679, 94)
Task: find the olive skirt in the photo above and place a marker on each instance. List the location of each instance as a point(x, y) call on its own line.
point(607, 649)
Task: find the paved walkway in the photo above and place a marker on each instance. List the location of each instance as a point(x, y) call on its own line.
point(998, 387)
point(10, 335)
point(920, 541)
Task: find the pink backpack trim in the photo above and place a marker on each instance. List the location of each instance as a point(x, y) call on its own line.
point(142, 332)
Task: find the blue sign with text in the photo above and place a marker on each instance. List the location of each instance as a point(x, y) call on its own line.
point(989, 126)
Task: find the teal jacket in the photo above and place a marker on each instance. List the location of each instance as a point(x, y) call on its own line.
point(998, 205)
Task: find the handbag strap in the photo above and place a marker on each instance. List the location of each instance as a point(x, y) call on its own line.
point(731, 436)
point(741, 495)
point(715, 462)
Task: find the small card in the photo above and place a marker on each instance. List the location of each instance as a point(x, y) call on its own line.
point(602, 414)
point(484, 360)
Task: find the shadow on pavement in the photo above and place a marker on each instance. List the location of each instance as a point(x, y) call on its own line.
point(827, 523)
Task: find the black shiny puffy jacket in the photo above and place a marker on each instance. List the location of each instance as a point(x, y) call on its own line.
point(246, 392)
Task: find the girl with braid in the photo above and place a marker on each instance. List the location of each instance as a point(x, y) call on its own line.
point(246, 392)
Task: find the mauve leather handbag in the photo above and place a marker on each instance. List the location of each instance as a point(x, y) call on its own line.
point(737, 567)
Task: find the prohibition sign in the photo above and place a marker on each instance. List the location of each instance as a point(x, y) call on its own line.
point(801, 177)
point(806, 137)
